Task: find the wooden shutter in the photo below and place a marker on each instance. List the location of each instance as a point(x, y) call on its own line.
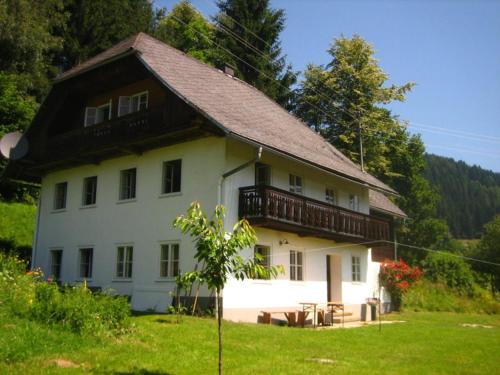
point(90, 116)
point(123, 105)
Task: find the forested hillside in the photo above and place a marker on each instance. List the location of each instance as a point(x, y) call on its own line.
point(470, 195)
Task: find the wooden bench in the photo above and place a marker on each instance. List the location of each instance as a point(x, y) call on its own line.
point(294, 318)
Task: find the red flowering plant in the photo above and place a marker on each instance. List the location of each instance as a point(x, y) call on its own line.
point(397, 277)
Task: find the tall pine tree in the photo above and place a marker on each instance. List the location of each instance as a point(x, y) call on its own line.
point(250, 30)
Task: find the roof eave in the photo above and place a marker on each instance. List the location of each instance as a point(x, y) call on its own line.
point(392, 213)
point(295, 158)
point(68, 75)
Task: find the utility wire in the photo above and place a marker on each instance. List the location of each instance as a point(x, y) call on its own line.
point(313, 250)
point(223, 27)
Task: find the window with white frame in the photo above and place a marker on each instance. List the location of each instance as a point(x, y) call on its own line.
point(96, 115)
point(262, 174)
point(133, 103)
point(56, 264)
point(356, 268)
point(89, 191)
point(128, 183)
point(263, 258)
point(354, 202)
point(172, 176)
point(296, 265)
point(169, 260)
point(295, 184)
point(124, 261)
point(60, 195)
point(331, 195)
point(86, 256)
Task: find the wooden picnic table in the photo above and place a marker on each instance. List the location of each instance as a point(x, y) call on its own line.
point(335, 306)
point(308, 307)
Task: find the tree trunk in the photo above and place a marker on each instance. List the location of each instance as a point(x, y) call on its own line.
point(219, 327)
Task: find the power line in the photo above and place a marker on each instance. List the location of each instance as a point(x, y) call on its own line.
point(288, 89)
point(313, 250)
point(468, 150)
point(430, 128)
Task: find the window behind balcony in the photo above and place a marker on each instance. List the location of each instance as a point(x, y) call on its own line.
point(127, 183)
point(262, 174)
point(133, 103)
point(96, 115)
point(295, 184)
point(354, 202)
point(331, 195)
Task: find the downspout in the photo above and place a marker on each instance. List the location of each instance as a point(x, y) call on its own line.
point(37, 230)
point(233, 171)
point(220, 201)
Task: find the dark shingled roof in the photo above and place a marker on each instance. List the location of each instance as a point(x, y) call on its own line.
point(380, 202)
point(235, 106)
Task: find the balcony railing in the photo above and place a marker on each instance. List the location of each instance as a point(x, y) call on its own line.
point(280, 209)
point(116, 131)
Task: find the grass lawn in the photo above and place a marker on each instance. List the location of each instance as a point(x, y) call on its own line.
point(17, 223)
point(426, 343)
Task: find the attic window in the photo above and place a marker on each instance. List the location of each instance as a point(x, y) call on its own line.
point(96, 115)
point(134, 103)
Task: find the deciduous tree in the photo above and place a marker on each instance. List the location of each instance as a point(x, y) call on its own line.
point(186, 29)
point(219, 252)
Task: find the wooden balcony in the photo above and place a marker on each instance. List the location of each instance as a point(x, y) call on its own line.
point(130, 134)
point(278, 209)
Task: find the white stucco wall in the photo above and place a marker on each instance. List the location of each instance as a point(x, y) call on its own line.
point(144, 222)
point(243, 300)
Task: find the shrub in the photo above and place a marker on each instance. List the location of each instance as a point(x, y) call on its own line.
point(78, 309)
point(26, 295)
point(16, 286)
point(397, 277)
point(431, 296)
point(449, 270)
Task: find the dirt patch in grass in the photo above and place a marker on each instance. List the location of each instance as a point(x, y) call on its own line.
point(63, 363)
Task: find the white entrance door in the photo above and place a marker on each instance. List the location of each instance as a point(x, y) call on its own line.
point(334, 277)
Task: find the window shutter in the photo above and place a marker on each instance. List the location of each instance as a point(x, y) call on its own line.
point(123, 105)
point(90, 116)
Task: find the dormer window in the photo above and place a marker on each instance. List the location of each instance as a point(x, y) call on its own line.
point(96, 115)
point(134, 103)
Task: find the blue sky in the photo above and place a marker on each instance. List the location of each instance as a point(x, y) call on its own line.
point(450, 49)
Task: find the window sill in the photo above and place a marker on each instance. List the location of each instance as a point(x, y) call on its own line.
point(123, 201)
point(122, 280)
point(261, 282)
point(167, 195)
point(88, 206)
point(356, 283)
point(165, 280)
point(58, 210)
point(81, 280)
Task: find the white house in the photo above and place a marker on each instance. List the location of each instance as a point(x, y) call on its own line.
point(127, 140)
